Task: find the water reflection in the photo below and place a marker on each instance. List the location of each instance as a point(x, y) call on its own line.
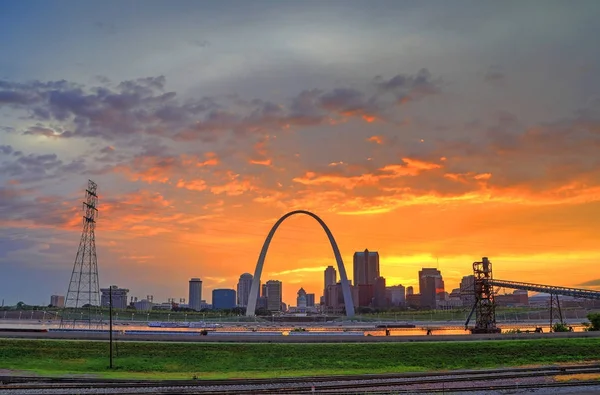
point(368, 330)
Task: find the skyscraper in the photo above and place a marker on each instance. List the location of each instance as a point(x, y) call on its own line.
point(467, 290)
point(195, 294)
point(274, 295)
point(310, 300)
point(366, 270)
point(366, 267)
point(431, 284)
point(330, 276)
point(379, 293)
point(243, 289)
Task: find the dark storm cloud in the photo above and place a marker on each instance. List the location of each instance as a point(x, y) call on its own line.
point(143, 107)
point(409, 87)
point(6, 149)
point(344, 100)
point(24, 207)
point(34, 167)
point(537, 157)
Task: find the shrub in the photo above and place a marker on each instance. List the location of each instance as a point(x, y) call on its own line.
point(594, 324)
point(560, 327)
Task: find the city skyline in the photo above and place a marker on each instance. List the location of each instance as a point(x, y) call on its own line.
point(423, 131)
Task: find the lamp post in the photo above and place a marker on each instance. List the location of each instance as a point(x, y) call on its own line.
point(110, 328)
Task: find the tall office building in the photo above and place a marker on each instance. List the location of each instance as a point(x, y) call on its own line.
point(379, 293)
point(310, 300)
point(243, 289)
point(366, 271)
point(57, 301)
point(119, 297)
point(431, 287)
point(330, 276)
point(366, 267)
point(223, 299)
point(410, 290)
point(274, 295)
point(467, 290)
point(195, 294)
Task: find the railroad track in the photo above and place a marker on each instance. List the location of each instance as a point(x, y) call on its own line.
point(486, 380)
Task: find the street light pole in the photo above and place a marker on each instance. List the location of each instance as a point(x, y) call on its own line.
point(110, 326)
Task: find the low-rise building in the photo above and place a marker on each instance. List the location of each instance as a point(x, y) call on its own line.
point(119, 297)
point(57, 301)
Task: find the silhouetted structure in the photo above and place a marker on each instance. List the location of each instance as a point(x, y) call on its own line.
point(347, 293)
point(274, 295)
point(119, 297)
point(431, 285)
point(195, 294)
point(366, 271)
point(223, 299)
point(484, 307)
point(84, 290)
point(243, 289)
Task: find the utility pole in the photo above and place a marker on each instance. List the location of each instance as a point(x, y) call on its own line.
point(110, 329)
point(83, 295)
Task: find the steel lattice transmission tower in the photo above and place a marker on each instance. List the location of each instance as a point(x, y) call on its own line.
point(82, 304)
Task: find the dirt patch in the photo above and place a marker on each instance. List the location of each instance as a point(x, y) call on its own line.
point(582, 376)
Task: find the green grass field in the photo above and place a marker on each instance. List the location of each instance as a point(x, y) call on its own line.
point(228, 360)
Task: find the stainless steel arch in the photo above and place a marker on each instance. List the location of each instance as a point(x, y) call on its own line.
point(250, 310)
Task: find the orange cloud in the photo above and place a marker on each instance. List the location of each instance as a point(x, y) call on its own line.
point(369, 118)
point(148, 168)
point(311, 178)
point(375, 139)
point(234, 187)
point(194, 185)
point(266, 162)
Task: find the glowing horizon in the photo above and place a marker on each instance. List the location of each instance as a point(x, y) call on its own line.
point(433, 134)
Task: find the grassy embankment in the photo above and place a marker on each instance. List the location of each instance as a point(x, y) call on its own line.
point(210, 360)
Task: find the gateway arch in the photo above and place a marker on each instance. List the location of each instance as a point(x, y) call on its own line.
point(250, 310)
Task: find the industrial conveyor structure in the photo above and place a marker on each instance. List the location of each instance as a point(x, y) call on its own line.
point(485, 307)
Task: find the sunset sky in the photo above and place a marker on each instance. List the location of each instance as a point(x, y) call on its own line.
point(434, 132)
